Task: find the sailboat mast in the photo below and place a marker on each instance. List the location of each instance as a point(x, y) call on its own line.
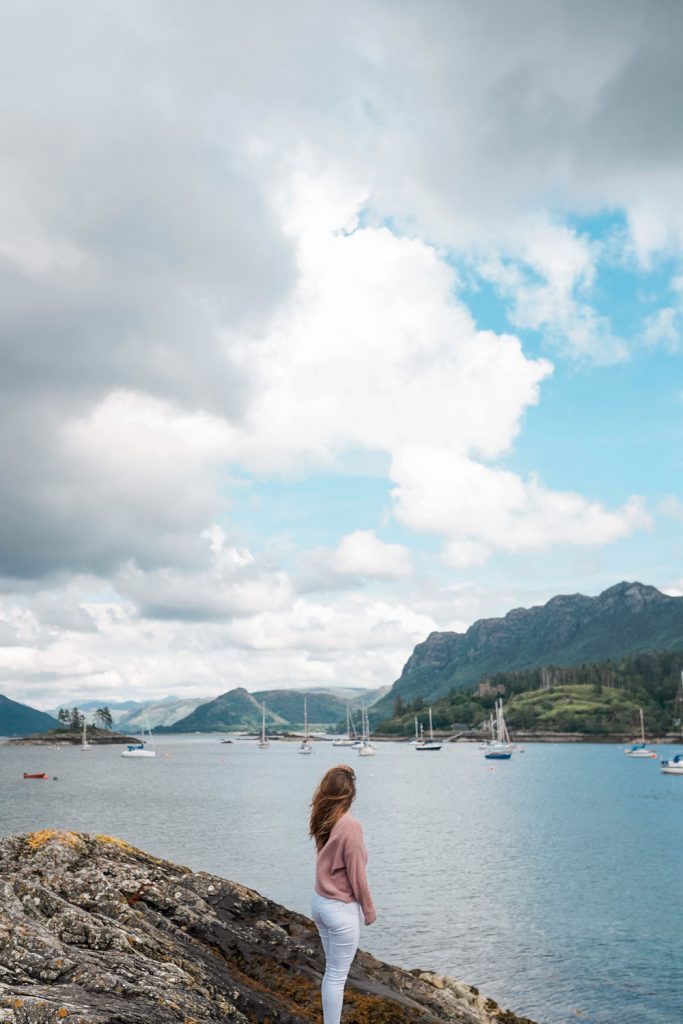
point(642, 726)
point(305, 720)
point(431, 731)
point(263, 723)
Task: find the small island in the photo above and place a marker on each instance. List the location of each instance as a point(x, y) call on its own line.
point(70, 737)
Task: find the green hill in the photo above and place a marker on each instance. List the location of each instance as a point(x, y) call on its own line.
point(568, 630)
point(588, 699)
point(240, 710)
point(21, 720)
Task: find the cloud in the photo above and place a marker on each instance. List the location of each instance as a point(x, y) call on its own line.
point(360, 556)
point(235, 584)
point(484, 508)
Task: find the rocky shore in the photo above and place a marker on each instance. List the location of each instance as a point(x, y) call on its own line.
point(61, 737)
point(95, 931)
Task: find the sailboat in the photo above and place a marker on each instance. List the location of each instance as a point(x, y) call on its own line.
point(84, 740)
point(305, 747)
point(263, 743)
point(366, 748)
point(431, 743)
point(674, 766)
point(348, 740)
point(640, 749)
point(500, 748)
point(139, 749)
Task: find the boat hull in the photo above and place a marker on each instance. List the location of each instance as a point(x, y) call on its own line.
point(36, 775)
point(428, 746)
point(672, 769)
point(498, 755)
point(138, 753)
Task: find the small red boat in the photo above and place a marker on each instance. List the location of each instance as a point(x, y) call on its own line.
point(36, 775)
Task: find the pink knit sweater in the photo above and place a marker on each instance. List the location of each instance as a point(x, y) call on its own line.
point(340, 867)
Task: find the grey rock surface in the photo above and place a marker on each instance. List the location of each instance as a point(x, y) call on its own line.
point(95, 931)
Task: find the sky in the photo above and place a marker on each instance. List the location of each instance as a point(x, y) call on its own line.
point(327, 326)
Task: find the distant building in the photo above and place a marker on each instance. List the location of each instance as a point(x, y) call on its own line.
point(489, 689)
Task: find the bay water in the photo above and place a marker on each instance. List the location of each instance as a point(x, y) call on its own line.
point(552, 882)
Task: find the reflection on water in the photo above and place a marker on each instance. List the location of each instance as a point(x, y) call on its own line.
point(551, 882)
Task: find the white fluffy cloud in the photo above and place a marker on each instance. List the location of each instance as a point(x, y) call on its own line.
point(228, 242)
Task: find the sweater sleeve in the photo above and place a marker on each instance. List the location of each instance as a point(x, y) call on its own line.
point(355, 859)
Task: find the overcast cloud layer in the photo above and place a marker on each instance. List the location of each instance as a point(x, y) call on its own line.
point(233, 245)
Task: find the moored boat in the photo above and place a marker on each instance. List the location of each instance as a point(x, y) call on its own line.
point(305, 746)
point(431, 743)
point(36, 775)
point(640, 749)
point(348, 740)
point(263, 740)
point(674, 766)
point(500, 748)
point(140, 749)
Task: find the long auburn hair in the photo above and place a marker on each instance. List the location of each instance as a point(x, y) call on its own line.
point(334, 795)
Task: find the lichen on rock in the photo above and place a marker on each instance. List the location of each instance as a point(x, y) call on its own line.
point(94, 931)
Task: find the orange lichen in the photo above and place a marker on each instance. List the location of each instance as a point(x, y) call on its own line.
point(46, 835)
point(62, 1012)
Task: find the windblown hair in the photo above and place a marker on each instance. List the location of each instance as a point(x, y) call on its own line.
point(335, 793)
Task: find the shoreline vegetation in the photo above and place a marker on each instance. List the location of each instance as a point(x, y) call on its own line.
point(96, 929)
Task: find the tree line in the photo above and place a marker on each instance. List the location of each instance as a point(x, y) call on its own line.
point(72, 718)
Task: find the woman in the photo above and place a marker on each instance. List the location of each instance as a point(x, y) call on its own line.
point(341, 885)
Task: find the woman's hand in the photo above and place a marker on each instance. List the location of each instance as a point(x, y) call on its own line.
point(370, 918)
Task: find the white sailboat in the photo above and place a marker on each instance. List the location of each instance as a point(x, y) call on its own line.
point(139, 749)
point(640, 749)
point(263, 742)
point(500, 748)
point(431, 743)
point(305, 747)
point(348, 740)
point(84, 740)
point(366, 748)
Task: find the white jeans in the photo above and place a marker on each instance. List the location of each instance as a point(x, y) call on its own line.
point(339, 927)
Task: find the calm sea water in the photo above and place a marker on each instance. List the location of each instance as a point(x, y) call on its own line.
point(553, 882)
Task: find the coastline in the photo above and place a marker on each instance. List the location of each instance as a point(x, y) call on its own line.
point(98, 930)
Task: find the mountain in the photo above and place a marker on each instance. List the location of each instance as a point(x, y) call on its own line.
point(238, 709)
point(21, 720)
point(568, 630)
point(156, 713)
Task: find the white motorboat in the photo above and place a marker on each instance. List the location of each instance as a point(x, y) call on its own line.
point(263, 739)
point(431, 743)
point(305, 746)
point(139, 749)
point(640, 749)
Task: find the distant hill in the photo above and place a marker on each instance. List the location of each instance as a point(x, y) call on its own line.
point(238, 709)
point(156, 713)
point(21, 720)
point(568, 630)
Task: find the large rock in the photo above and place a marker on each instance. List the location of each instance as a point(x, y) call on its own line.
point(93, 930)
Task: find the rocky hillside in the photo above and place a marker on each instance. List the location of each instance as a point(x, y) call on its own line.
point(95, 931)
point(20, 719)
point(568, 630)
